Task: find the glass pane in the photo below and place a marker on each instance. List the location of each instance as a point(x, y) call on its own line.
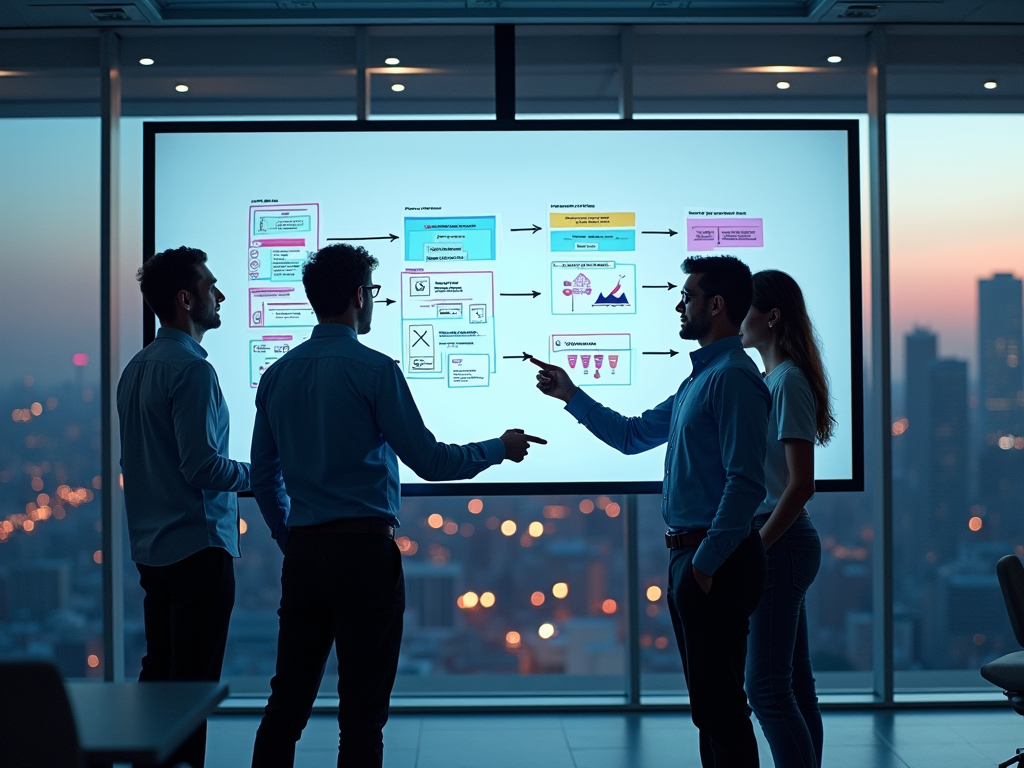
point(241, 72)
point(839, 604)
point(504, 595)
point(956, 187)
point(431, 71)
point(567, 72)
point(50, 572)
point(680, 71)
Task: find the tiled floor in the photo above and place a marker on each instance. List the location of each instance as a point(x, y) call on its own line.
point(914, 739)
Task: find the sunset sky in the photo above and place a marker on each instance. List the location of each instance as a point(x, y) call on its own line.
point(956, 215)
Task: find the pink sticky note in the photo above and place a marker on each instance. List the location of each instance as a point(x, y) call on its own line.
point(709, 234)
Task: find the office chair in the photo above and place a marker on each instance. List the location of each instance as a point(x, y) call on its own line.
point(1008, 671)
point(39, 727)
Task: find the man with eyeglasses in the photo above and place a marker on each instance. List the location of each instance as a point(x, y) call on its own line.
point(715, 426)
point(331, 415)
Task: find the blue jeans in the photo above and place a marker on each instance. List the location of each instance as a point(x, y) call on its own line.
point(780, 683)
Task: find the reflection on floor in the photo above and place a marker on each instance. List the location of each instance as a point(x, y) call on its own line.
point(929, 739)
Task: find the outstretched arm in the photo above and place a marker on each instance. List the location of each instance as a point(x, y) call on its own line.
point(400, 422)
point(627, 434)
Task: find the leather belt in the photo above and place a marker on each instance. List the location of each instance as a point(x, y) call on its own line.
point(350, 525)
point(685, 540)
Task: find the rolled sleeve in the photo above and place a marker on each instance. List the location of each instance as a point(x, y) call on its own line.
point(741, 405)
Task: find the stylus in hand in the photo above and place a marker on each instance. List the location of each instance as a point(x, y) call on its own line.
point(554, 381)
point(517, 443)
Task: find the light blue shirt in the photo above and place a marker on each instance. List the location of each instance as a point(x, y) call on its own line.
point(331, 415)
point(715, 427)
point(793, 416)
point(178, 482)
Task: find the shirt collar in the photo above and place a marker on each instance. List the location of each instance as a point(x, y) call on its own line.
point(333, 329)
point(180, 336)
point(702, 357)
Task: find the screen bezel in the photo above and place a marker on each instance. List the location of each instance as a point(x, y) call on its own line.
point(855, 483)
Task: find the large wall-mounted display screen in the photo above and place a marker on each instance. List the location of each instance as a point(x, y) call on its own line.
point(561, 240)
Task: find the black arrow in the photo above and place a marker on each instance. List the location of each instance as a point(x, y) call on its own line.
point(535, 294)
point(392, 238)
point(670, 286)
point(535, 229)
point(385, 302)
point(524, 357)
point(670, 353)
point(671, 232)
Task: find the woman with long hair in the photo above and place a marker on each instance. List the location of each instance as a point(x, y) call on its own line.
point(780, 683)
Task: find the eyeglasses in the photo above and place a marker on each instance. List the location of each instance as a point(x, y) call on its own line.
point(373, 290)
point(688, 297)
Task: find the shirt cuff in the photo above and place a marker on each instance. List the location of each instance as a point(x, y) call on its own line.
point(706, 561)
point(494, 450)
point(580, 404)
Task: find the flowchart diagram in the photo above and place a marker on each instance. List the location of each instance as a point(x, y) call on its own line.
point(449, 281)
point(266, 350)
point(449, 317)
point(280, 240)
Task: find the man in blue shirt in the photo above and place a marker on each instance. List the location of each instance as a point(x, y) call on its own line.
point(179, 485)
point(332, 419)
point(715, 426)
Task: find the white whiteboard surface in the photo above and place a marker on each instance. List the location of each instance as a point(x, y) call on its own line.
point(485, 218)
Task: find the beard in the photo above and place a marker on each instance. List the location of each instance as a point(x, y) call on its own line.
point(364, 317)
point(696, 327)
point(206, 318)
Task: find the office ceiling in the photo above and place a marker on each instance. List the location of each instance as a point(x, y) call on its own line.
point(42, 14)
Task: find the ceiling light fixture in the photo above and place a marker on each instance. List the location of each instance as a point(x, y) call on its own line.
point(146, 62)
point(181, 88)
point(991, 85)
point(397, 87)
point(782, 85)
point(834, 59)
point(391, 61)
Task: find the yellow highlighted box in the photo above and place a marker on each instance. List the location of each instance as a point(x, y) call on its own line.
point(591, 220)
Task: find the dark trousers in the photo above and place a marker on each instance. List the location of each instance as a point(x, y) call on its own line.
point(345, 589)
point(187, 608)
point(780, 682)
point(711, 631)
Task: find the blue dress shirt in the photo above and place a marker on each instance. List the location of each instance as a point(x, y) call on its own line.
point(178, 482)
point(331, 415)
point(715, 426)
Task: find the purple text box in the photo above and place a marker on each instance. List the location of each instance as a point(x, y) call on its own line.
point(709, 234)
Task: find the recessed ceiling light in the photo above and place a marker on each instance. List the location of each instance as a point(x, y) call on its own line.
point(834, 59)
point(397, 87)
point(181, 88)
point(391, 61)
point(782, 85)
point(991, 85)
point(147, 62)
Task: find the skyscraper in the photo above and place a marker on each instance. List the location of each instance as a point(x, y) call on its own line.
point(921, 347)
point(1001, 402)
point(1000, 346)
point(947, 458)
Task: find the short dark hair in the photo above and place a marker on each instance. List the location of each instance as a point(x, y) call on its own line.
point(724, 276)
point(163, 274)
point(332, 275)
